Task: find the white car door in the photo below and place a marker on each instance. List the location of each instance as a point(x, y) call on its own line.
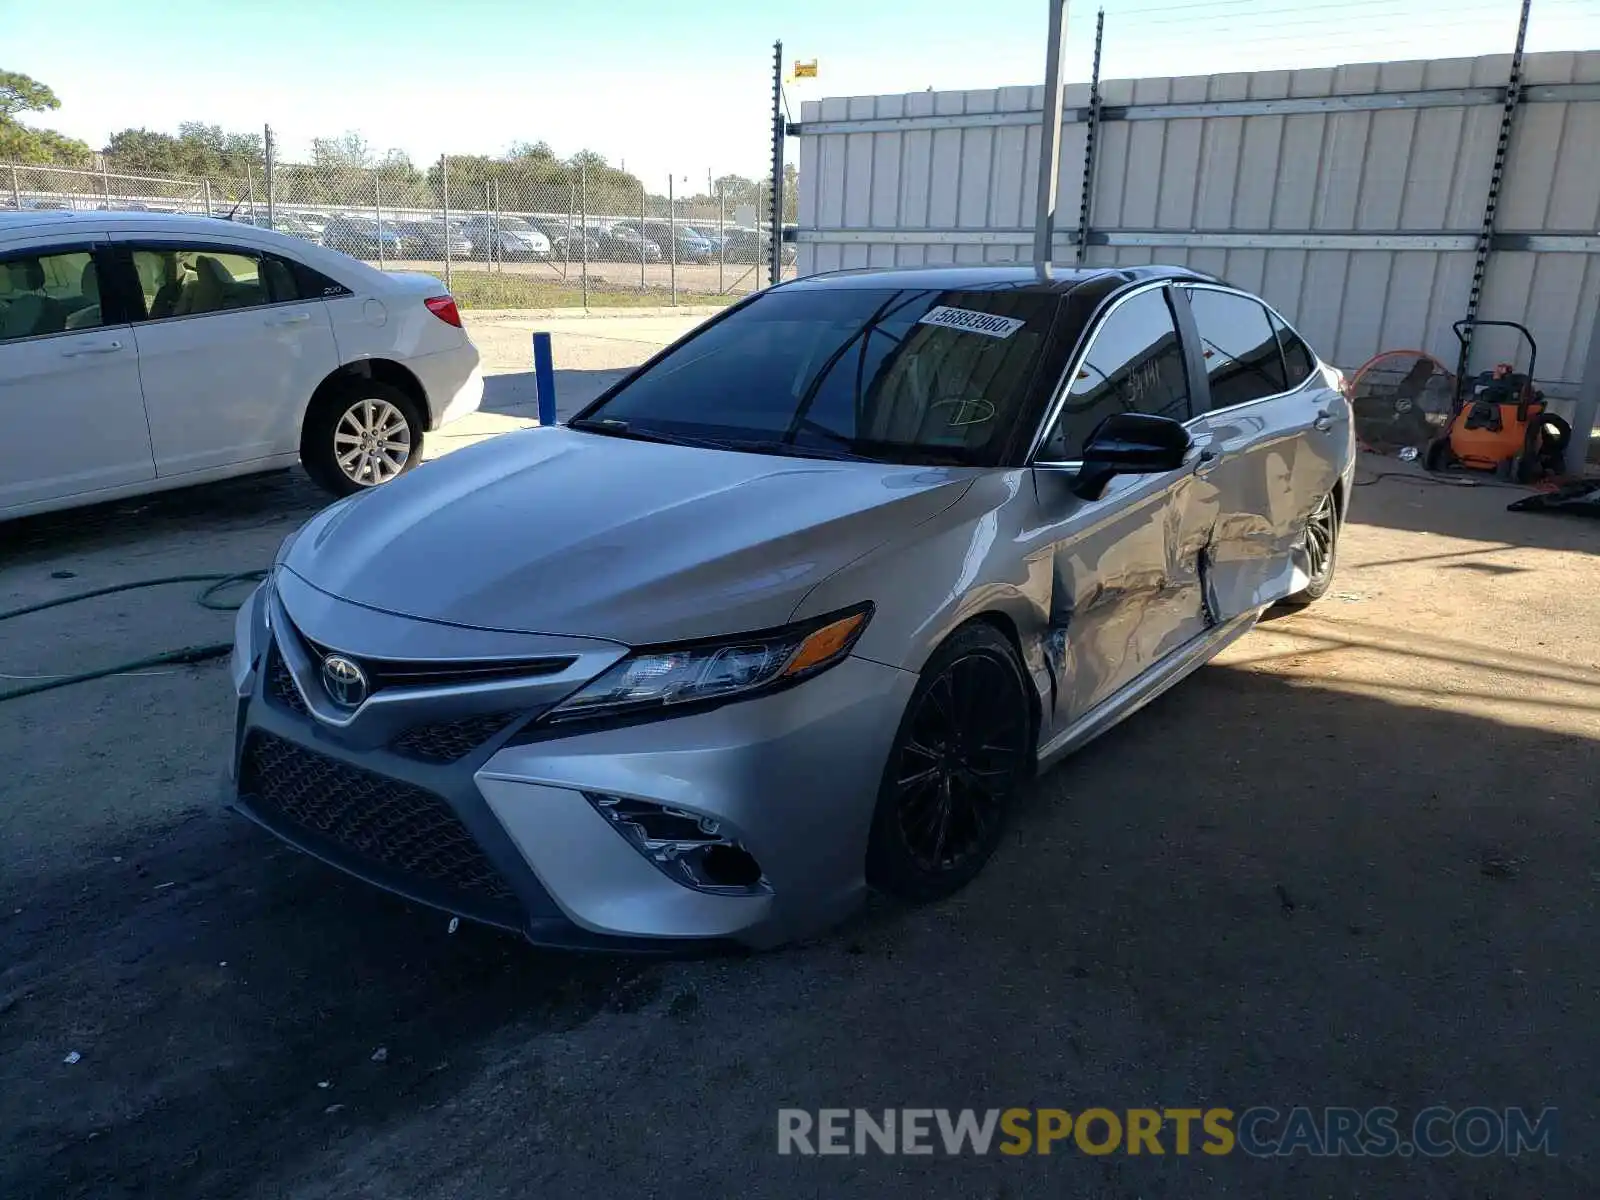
point(73, 418)
point(231, 348)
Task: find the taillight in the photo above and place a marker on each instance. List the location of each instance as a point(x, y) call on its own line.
point(444, 307)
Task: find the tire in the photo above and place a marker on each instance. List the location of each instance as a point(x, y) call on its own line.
point(963, 747)
point(348, 412)
point(1438, 455)
point(1548, 441)
point(1322, 549)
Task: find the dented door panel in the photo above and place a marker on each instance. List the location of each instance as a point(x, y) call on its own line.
point(1126, 579)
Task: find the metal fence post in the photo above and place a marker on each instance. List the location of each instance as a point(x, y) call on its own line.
point(205, 187)
point(494, 226)
point(642, 283)
point(497, 212)
point(444, 195)
point(250, 183)
point(566, 243)
point(775, 246)
point(271, 155)
point(1091, 138)
point(722, 239)
point(1586, 411)
point(1491, 203)
point(16, 188)
point(672, 236)
point(583, 223)
point(105, 179)
point(377, 207)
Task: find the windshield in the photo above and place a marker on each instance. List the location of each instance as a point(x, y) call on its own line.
point(910, 375)
point(512, 223)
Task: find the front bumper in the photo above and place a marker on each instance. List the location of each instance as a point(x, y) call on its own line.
point(505, 833)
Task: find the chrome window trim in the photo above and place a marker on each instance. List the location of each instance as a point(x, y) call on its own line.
point(1075, 363)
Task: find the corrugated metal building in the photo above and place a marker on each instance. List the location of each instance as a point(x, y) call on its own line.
point(1351, 198)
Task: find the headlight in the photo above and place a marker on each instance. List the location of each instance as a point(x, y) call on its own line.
point(728, 668)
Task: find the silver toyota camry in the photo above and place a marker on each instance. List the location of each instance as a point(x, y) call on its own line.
point(794, 609)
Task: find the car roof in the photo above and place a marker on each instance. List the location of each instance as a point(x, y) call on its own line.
point(51, 223)
point(1023, 277)
point(114, 219)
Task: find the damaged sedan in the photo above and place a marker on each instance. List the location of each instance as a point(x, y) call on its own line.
point(793, 610)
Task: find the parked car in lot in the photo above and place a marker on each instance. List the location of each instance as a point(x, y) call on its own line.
point(566, 245)
point(750, 246)
point(292, 226)
point(316, 222)
point(140, 352)
point(691, 248)
point(432, 240)
point(505, 238)
point(836, 573)
point(362, 237)
point(621, 243)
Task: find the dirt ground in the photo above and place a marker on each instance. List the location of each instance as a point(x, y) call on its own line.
point(1354, 862)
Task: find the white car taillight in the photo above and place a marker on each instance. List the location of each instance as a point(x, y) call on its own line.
point(444, 307)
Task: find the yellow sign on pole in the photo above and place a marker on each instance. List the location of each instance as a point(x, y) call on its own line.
point(805, 70)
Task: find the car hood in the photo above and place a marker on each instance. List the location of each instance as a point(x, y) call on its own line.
point(559, 532)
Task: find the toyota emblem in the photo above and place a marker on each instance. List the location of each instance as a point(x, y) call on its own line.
point(345, 681)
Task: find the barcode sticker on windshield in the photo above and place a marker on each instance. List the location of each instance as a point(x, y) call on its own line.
point(972, 322)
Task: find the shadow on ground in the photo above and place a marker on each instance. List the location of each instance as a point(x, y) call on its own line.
point(1258, 891)
point(1464, 505)
point(517, 393)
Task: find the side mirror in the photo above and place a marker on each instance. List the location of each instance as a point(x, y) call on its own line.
point(1129, 444)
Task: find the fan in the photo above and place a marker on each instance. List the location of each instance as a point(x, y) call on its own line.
point(1399, 399)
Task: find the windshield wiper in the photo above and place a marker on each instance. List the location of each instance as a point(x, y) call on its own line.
point(621, 429)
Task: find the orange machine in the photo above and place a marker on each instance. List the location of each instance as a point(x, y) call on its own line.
point(1501, 424)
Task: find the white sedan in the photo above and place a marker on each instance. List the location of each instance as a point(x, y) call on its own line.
point(141, 351)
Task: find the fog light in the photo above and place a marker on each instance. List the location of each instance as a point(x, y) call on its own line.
point(686, 847)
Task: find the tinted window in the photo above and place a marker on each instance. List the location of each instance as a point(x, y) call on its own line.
point(1240, 348)
point(896, 374)
point(48, 293)
point(1134, 364)
point(185, 283)
point(1298, 360)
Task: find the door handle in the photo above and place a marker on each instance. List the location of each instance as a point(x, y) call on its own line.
point(110, 347)
point(1324, 422)
point(299, 318)
point(1206, 462)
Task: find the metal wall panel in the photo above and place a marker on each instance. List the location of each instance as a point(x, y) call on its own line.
point(1406, 153)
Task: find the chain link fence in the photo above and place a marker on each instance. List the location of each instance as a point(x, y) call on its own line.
point(502, 233)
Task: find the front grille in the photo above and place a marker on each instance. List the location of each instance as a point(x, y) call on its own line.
point(388, 672)
point(447, 741)
point(376, 819)
point(280, 684)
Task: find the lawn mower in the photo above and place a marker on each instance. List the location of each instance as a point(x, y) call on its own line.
point(1499, 421)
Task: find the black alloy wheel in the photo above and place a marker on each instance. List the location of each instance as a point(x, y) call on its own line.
point(1321, 547)
point(964, 746)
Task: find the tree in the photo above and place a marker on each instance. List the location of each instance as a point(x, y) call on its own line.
point(198, 149)
point(529, 178)
point(20, 94)
point(348, 150)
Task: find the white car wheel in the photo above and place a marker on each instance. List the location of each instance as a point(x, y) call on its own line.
point(365, 434)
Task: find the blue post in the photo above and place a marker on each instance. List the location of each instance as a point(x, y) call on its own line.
point(544, 378)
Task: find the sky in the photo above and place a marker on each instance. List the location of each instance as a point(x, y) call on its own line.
point(660, 87)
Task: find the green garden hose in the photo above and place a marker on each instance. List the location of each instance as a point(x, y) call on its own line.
point(206, 598)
